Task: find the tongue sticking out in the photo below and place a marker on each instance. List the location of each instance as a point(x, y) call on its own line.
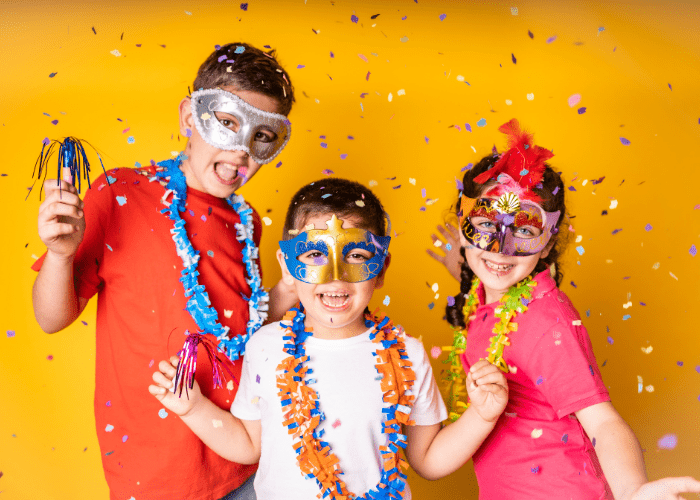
point(225, 172)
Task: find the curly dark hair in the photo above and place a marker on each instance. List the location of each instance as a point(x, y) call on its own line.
point(551, 192)
point(337, 196)
point(245, 67)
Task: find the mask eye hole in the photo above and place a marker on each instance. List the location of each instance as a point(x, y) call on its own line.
point(313, 258)
point(484, 224)
point(228, 121)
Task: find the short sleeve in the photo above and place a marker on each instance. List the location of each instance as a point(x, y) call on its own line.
point(97, 209)
point(246, 404)
point(428, 406)
point(564, 368)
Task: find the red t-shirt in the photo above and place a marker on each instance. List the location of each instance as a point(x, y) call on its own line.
point(538, 448)
point(128, 258)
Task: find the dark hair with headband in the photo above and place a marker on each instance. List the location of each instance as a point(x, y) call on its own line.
point(335, 196)
point(551, 193)
point(245, 67)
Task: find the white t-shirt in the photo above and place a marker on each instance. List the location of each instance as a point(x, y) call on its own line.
point(350, 396)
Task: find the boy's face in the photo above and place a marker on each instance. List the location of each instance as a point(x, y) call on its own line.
point(212, 170)
point(334, 309)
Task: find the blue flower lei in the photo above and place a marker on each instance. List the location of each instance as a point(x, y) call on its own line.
point(392, 481)
point(198, 303)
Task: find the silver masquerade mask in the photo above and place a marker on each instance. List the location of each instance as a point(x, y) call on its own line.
point(261, 134)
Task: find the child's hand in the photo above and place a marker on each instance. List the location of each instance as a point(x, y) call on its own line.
point(668, 488)
point(488, 390)
point(162, 389)
point(61, 219)
point(452, 259)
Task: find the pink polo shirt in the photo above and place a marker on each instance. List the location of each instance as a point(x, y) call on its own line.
point(538, 448)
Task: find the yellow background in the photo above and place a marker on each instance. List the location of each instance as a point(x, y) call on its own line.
point(48, 447)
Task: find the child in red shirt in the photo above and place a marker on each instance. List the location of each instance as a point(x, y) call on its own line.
point(559, 437)
point(142, 235)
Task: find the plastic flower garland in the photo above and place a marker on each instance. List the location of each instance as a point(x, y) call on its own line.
point(198, 304)
point(300, 404)
point(514, 302)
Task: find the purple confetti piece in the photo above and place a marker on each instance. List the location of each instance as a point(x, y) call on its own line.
point(10, 334)
point(581, 110)
point(327, 172)
point(539, 380)
point(426, 139)
point(257, 379)
point(693, 251)
point(396, 187)
point(55, 122)
point(222, 58)
point(551, 39)
point(442, 17)
point(573, 284)
point(512, 57)
point(615, 231)
point(648, 227)
point(625, 142)
point(299, 66)
point(124, 438)
point(565, 438)
point(556, 190)
point(697, 369)
point(535, 470)
point(668, 442)
point(244, 6)
point(642, 304)
point(679, 363)
point(450, 300)
point(351, 138)
point(669, 86)
point(324, 145)
point(572, 188)
point(460, 185)
point(611, 341)
point(46, 141)
point(278, 165)
point(423, 192)
point(108, 403)
point(51, 75)
point(593, 442)
point(354, 18)
point(332, 54)
point(343, 156)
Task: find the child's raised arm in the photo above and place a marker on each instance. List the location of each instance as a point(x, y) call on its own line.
point(621, 458)
point(434, 452)
point(230, 437)
point(61, 228)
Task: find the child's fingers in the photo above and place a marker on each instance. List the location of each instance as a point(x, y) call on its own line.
point(167, 369)
point(436, 256)
point(58, 229)
point(479, 365)
point(67, 176)
point(157, 390)
point(490, 378)
point(454, 232)
point(50, 185)
point(174, 360)
point(162, 380)
point(58, 208)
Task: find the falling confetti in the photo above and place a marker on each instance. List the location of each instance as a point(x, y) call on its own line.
point(530, 97)
point(10, 334)
point(116, 53)
point(386, 300)
point(693, 251)
point(551, 39)
point(668, 442)
point(481, 122)
point(162, 413)
point(442, 17)
point(625, 142)
point(574, 100)
point(581, 110)
point(435, 352)
point(536, 433)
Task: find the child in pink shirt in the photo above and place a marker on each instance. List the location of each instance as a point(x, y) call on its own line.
point(559, 437)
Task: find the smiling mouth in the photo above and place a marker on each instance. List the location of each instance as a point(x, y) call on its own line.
point(334, 300)
point(227, 173)
point(498, 268)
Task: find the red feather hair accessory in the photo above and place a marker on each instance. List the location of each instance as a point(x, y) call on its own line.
point(523, 161)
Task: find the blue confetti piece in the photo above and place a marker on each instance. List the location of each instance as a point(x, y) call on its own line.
point(524, 171)
point(535, 470)
point(109, 428)
point(354, 18)
point(626, 317)
point(162, 413)
point(121, 200)
point(481, 122)
point(431, 305)
point(109, 247)
point(580, 250)
point(210, 253)
point(601, 29)
point(386, 300)
point(131, 139)
point(448, 247)
point(124, 438)
point(588, 313)
point(240, 49)
point(581, 110)
point(10, 334)
point(625, 142)
point(326, 195)
point(442, 17)
point(693, 251)
point(51, 75)
point(668, 442)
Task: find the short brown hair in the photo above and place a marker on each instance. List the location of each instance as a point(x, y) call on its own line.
point(245, 67)
point(339, 197)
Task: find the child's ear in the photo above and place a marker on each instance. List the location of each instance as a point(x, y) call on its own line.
point(380, 278)
point(186, 120)
point(287, 277)
point(546, 249)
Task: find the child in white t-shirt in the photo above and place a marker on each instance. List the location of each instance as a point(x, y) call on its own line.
point(326, 393)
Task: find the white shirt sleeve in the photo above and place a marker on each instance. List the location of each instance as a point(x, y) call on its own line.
point(428, 406)
point(246, 404)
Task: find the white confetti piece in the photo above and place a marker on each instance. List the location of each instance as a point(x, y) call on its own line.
point(255, 400)
point(647, 350)
point(267, 221)
point(613, 204)
point(174, 153)
point(116, 53)
point(229, 385)
point(628, 305)
point(513, 369)
point(536, 433)
point(656, 265)
point(530, 96)
point(217, 423)
point(205, 116)
point(576, 322)
point(373, 183)
point(228, 313)
point(109, 428)
point(649, 388)
point(412, 181)
point(673, 276)
point(579, 238)
point(460, 78)
point(437, 243)
point(435, 287)
point(391, 96)
point(401, 92)
point(359, 203)
point(430, 202)
point(640, 384)
point(508, 102)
